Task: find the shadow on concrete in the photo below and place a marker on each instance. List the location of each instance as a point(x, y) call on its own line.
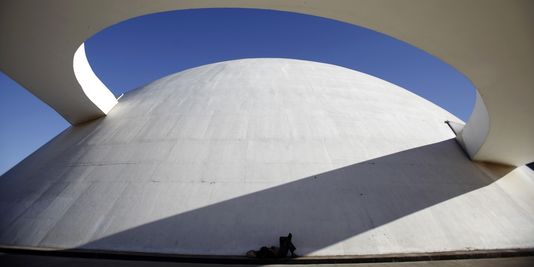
point(319, 210)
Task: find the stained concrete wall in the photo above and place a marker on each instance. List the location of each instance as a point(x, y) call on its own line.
point(226, 157)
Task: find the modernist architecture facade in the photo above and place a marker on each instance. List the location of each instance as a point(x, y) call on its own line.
point(226, 157)
point(222, 158)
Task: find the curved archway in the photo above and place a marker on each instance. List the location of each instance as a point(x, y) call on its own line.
point(142, 49)
point(494, 53)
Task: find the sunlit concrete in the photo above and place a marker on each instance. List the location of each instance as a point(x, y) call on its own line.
point(93, 88)
point(226, 157)
point(489, 41)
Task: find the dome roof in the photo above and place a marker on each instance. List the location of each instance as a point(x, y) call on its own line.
point(226, 157)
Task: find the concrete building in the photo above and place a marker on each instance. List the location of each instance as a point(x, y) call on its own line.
point(226, 157)
point(489, 41)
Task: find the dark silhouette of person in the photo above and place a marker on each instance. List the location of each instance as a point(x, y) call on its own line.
point(276, 252)
point(266, 252)
point(286, 246)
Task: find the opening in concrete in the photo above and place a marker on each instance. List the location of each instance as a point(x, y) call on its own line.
point(137, 51)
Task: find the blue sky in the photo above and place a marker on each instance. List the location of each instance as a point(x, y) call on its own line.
point(138, 51)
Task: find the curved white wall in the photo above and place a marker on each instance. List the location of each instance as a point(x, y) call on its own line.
point(474, 133)
point(226, 157)
point(91, 85)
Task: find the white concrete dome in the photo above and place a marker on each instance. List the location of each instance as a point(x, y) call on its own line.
point(226, 157)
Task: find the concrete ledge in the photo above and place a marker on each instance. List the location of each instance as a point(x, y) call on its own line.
point(161, 257)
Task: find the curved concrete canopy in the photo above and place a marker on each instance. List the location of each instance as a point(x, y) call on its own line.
point(489, 41)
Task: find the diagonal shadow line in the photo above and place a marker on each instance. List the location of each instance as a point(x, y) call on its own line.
point(319, 210)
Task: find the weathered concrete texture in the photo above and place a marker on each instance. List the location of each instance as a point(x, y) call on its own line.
point(226, 157)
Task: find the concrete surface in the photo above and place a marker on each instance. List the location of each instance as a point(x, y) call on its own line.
point(490, 41)
point(45, 261)
point(226, 157)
